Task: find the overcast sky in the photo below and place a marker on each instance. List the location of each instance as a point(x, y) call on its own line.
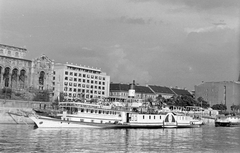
point(162, 42)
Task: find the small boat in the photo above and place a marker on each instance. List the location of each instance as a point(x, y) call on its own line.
point(76, 114)
point(228, 120)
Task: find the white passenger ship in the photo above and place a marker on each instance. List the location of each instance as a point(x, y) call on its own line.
point(76, 114)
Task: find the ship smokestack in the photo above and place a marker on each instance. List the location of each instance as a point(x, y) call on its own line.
point(131, 91)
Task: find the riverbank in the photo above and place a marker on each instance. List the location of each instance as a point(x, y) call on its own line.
point(14, 106)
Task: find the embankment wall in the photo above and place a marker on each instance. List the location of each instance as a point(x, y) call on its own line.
point(13, 106)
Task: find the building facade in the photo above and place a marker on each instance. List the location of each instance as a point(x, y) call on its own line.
point(120, 92)
point(225, 92)
point(19, 73)
point(165, 92)
point(78, 82)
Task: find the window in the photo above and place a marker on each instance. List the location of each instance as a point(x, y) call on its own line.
point(65, 88)
point(9, 52)
point(103, 83)
point(75, 84)
point(87, 81)
point(96, 77)
point(88, 76)
point(100, 82)
point(66, 72)
point(53, 83)
point(54, 72)
point(84, 75)
point(70, 83)
point(1, 51)
point(79, 80)
point(83, 80)
point(75, 74)
point(79, 90)
point(75, 79)
point(53, 78)
point(79, 85)
point(91, 81)
point(103, 88)
point(66, 78)
point(96, 82)
point(103, 78)
point(70, 89)
point(65, 83)
point(103, 93)
point(74, 90)
point(71, 73)
point(92, 76)
point(79, 75)
point(70, 79)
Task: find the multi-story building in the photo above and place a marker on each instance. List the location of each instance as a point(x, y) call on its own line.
point(225, 92)
point(19, 73)
point(78, 82)
point(165, 92)
point(120, 92)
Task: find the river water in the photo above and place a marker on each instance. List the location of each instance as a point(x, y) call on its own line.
point(25, 138)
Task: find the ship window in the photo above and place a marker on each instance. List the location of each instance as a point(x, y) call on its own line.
point(154, 117)
point(160, 116)
point(143, 116)
point(149, 117)
point(81, 120)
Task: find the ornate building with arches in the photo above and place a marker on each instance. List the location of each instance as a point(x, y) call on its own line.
point(19, 73)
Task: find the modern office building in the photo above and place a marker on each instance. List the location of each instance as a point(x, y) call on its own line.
point(78, 82)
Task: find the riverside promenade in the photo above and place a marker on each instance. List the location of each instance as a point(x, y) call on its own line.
point(14, 106)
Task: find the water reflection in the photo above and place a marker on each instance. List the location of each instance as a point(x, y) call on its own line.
point(23, 138)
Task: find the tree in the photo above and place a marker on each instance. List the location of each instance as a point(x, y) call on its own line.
point(42, 95)
point(202, 102)
point(235, 107)
point(160, 100)
point(219, 107)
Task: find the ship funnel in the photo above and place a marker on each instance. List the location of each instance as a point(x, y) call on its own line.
point(131, 91)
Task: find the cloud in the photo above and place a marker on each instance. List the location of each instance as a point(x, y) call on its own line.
point(123, 69)
point(217, 27)
point(129, 20)
point(86, 48)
